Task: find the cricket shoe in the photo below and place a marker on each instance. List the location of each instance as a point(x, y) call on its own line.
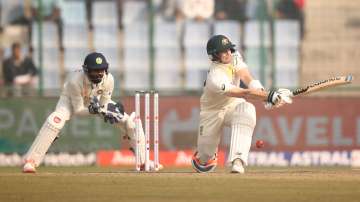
point(237, 166)
point(29, 167)
point(199, 167)
point(152, 166)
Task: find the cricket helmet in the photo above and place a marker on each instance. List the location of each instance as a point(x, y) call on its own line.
point(218, 43)
point(94, 62)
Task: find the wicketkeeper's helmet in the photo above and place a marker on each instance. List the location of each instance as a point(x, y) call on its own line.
point(95, 61)
point(218, 43)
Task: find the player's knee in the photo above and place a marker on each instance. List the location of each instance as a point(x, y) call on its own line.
point(128, 128)
point(245, 114)
point(57, 120)
point(127, 124)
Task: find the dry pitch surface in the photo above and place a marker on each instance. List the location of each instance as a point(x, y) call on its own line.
point(118, 184)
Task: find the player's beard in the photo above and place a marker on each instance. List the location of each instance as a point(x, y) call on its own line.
point(96, 78)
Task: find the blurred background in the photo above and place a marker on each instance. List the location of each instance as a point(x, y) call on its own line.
point(160, 44)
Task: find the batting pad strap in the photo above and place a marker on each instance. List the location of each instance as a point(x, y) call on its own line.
point(255, 84)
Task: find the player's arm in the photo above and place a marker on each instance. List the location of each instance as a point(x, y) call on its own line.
point(112, 112)
point(218, 83)
point(99, 104)
point(255, 89)
point(272, 98)
point(254, 94)
point(109, 88)
point(73, 90)
point(242, 72)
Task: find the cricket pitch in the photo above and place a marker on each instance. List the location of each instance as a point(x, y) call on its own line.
point(121, 184)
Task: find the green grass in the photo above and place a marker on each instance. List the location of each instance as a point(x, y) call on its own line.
point(119, 184)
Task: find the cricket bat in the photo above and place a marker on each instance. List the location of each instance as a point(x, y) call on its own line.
point(324, 84)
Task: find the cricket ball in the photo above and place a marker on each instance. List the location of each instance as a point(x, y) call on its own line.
point(259, 144)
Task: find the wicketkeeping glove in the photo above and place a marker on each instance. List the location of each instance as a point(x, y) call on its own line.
point(94, 106)
point(114, 113)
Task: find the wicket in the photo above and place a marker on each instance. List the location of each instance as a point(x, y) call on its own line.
point(147, 95)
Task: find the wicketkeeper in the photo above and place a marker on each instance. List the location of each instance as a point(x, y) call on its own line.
point(223, 103)
point(87, 91)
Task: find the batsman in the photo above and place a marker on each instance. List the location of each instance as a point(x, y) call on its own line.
point(86, 91)
point(224, 103)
